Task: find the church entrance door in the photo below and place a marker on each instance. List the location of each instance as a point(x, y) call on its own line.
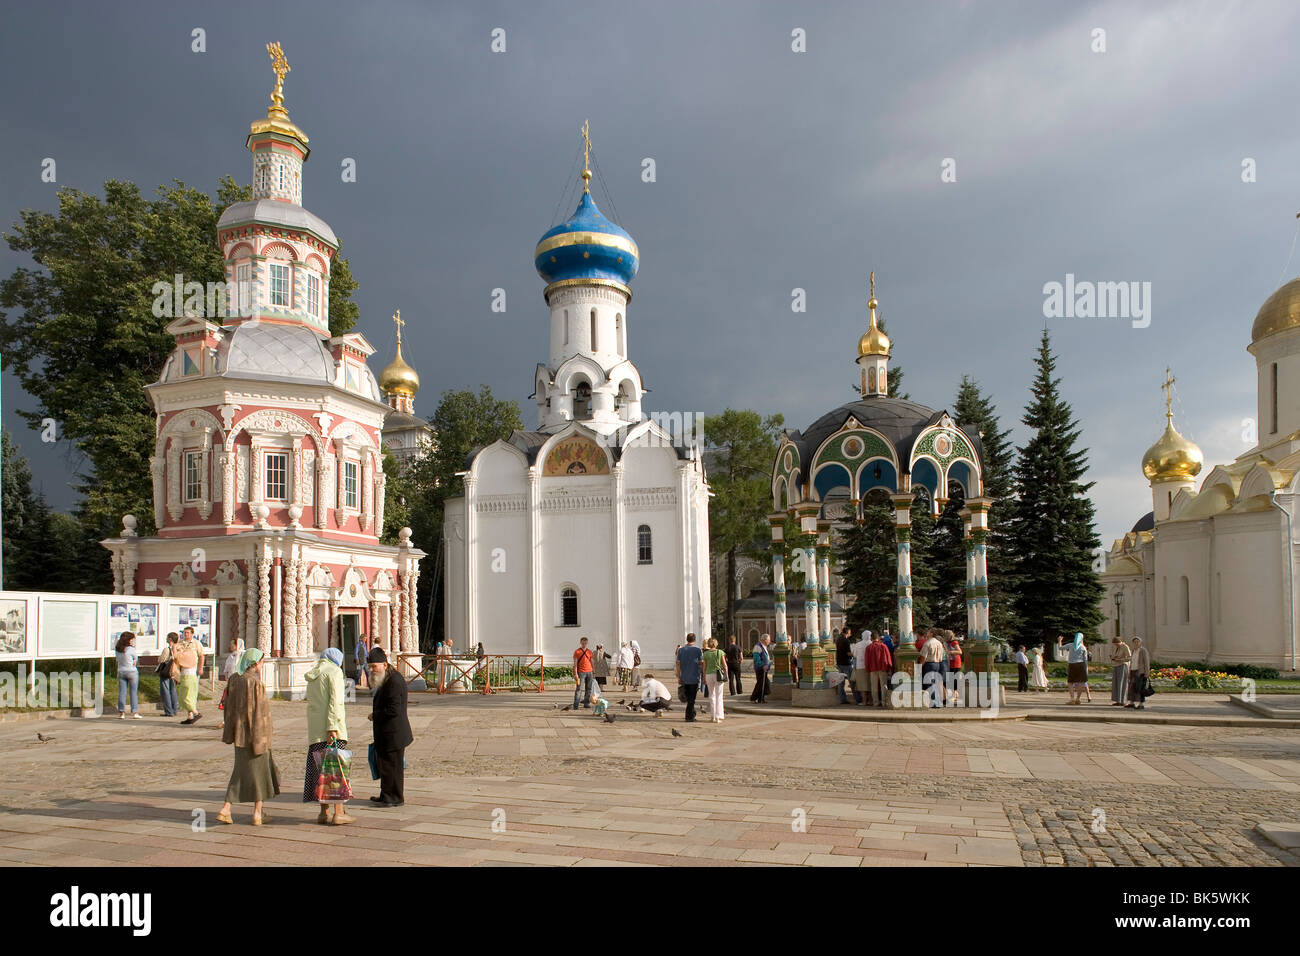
point(349, 628)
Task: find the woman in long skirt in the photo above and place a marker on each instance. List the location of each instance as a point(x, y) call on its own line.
point(326, 724)
point(248, 726)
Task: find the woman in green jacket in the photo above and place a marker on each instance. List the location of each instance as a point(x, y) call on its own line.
point(326, 723)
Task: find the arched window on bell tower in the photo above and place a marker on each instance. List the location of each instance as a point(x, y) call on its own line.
point(582, 401)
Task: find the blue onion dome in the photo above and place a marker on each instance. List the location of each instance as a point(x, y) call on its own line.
point(587, 247)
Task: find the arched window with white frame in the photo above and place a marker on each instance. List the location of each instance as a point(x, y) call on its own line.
point(644, 545)
point(568, 609)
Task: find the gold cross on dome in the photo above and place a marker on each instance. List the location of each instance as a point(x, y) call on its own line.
point(873, 285)
point(1168, 387)
point(586, 155)
point(397, 320)
point(281, 66)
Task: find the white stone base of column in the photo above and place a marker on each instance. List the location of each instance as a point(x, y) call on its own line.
point(814, 697)
point(285, 677)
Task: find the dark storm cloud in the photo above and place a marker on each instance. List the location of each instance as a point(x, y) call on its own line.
point(775, 170)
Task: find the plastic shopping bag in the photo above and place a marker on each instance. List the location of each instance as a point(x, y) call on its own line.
point(333, 786)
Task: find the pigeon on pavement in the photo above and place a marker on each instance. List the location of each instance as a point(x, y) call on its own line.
point(609, 718)
point(676, 732)
point(42, 738)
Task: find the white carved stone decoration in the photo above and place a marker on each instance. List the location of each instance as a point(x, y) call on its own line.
point(295, 480)
point(228, 575)
point(227, 464)
point(227, 415)
point(289, 607)
point(367, 490)
point(158, 470)
point(116, 563)
point(304, 614)
point(175, 508)
point(381, 483)
point(264, 602)
point(242, 470)
point(383, 581)
point(324, 471)
point(182, 576)
point(250, 609)
point(307, 484)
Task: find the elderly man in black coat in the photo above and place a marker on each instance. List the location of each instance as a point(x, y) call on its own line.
point(392, 729)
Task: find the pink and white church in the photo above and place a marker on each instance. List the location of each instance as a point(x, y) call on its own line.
point(268, 481)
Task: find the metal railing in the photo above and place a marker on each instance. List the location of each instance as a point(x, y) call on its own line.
point(489, 674)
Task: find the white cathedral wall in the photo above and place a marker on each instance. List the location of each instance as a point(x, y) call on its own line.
point(577, 549)
point(1251, 629)
point(503, 581)
point(1182, 549)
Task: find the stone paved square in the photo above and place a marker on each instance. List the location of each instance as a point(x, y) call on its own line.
point(1049, 785)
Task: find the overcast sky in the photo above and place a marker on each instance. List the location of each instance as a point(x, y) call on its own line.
point(775, 170)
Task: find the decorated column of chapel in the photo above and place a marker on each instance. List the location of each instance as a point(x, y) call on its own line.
point(597, 523)
point(268, 485)
point(886, 446)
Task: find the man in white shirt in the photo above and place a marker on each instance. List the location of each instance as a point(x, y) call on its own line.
point(861, 678)
point(1022, 669)
point(654, 695)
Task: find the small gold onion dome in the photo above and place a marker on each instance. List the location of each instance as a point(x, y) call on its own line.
point(873, 341)
point(398, 378)
point(1172, 458)
point(1280, 311)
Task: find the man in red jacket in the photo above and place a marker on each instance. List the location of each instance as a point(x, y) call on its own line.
point(583, 678)
point(880, 666)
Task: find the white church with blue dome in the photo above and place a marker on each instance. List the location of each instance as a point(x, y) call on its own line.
point(595, 524)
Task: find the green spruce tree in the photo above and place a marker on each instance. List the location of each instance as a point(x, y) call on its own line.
point(1051, 533)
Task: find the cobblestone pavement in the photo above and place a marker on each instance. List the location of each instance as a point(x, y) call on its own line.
point(512, 779)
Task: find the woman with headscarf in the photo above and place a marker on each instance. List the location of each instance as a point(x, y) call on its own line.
point(326, 724)
point(1139, 673)
point(1078, 670)
point(248, 726)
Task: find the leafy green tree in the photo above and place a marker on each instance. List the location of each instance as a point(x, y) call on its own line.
point(80, 334)
point(740, 446)
point(462, 423)
point(1052, 533)
point(976, 411)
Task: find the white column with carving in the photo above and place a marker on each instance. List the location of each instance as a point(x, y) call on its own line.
point(324, 465)
point(226, 462)
point(367, 489)
point(264, 598)
point(158, 470)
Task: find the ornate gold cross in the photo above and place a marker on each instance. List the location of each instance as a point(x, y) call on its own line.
point(281, 66)
point(1168, 387)
point(586, 156)
point(397, 320)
